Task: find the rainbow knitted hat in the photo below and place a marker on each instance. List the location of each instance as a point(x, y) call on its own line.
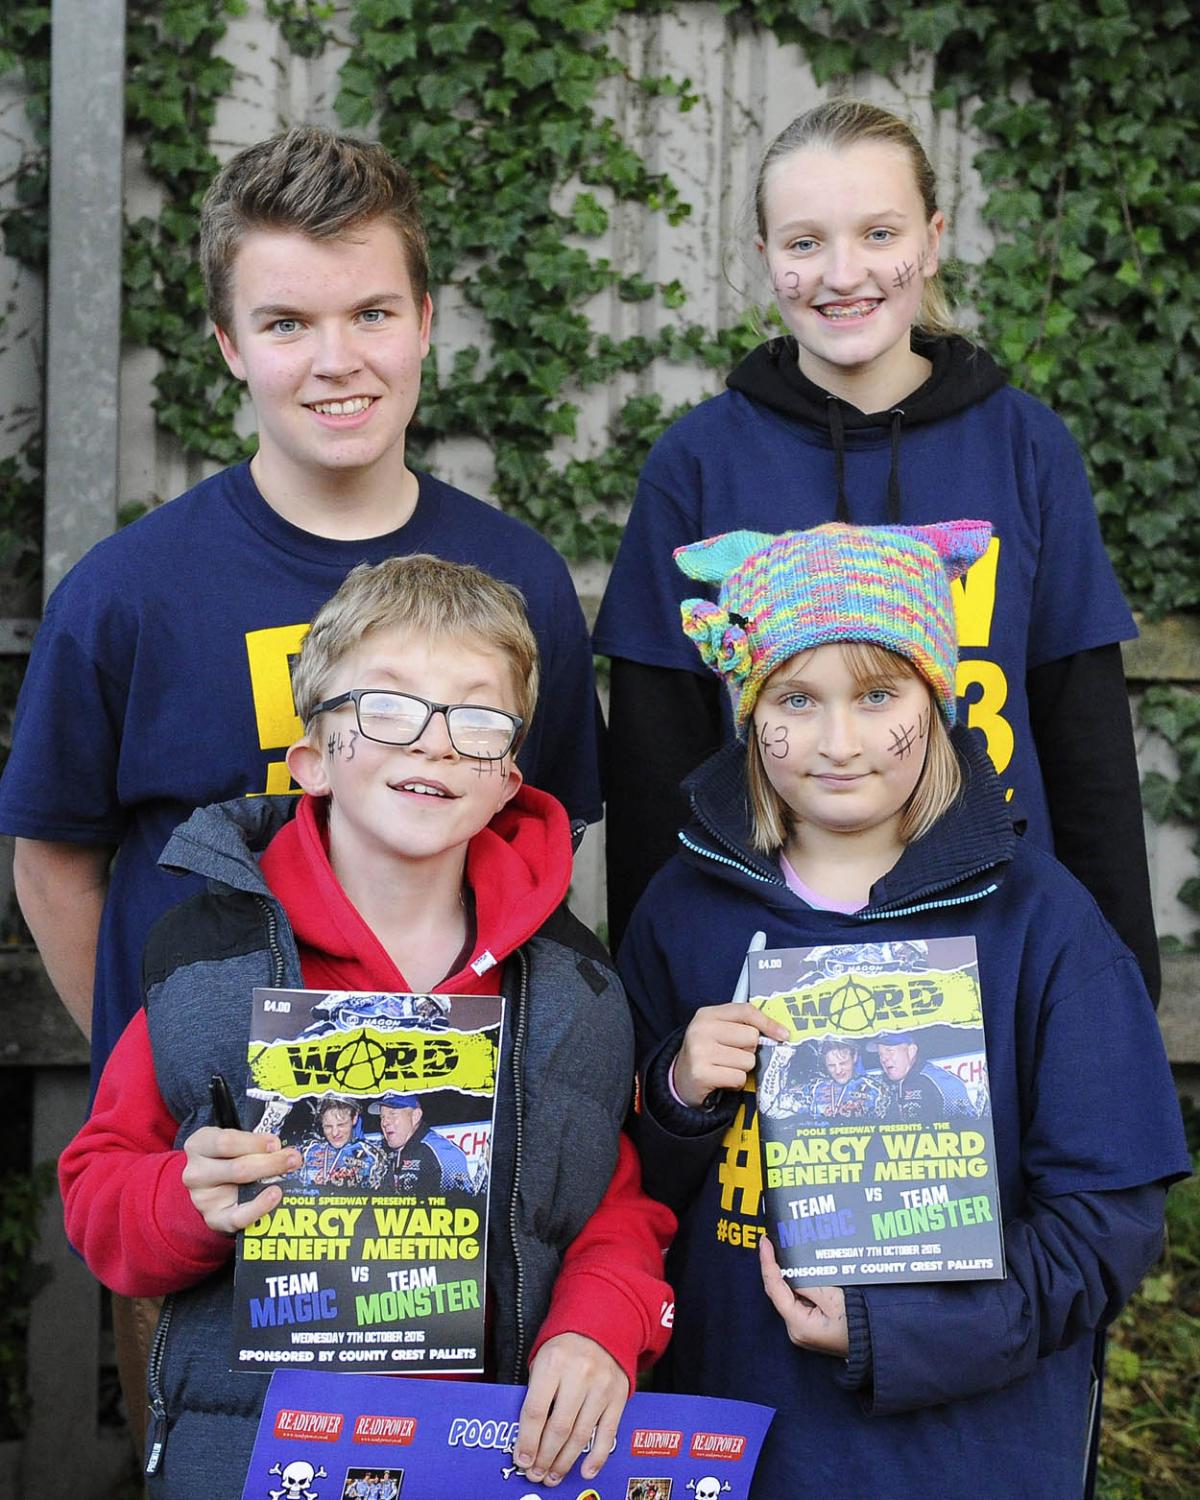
point(780, 595)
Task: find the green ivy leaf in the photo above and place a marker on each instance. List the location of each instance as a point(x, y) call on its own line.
point(1158, 796)
point(930, 27)
point(635, 289)
point(384, 49)
point(588, 215)
point(1122, 1365)
point(1160, 1289)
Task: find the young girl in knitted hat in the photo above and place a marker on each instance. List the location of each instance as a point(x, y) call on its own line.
point(852, 810)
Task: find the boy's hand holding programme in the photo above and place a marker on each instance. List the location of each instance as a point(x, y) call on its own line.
point(221, 1161)
point(575, 1388)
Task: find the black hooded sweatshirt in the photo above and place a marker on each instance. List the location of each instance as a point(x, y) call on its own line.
point(1078, 706)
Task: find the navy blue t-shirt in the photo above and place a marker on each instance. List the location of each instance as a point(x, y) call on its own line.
point(1044, 590)
point(160, 681)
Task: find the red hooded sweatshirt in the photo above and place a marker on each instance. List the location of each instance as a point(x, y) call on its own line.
point(128, 1212)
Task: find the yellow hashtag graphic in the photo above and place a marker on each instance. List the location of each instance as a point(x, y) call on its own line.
point(740, 1174)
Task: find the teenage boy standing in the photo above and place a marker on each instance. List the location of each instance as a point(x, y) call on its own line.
point(159, 681)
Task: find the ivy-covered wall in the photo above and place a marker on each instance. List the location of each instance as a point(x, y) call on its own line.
point(582, 167)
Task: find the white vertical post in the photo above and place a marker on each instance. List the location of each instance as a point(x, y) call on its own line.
point(87, 130)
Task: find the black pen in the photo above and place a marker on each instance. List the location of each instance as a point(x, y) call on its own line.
point(224, 1109)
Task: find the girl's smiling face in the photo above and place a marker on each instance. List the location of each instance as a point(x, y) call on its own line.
point(845, 754)
point(848, 247)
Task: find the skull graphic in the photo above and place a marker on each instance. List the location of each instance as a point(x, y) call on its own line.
point(707, 1488)
point(296, 1480)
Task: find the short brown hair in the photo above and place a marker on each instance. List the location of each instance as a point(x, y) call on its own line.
point(337, 1101)
point(427, 596)
point(313, 182)
point(840, 123)
point(772, 820)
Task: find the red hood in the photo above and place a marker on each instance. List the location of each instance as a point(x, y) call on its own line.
point(518, 868)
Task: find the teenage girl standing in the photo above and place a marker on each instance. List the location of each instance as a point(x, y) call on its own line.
point(871, 409)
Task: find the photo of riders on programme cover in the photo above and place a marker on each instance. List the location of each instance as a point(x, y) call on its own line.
point(874, 1120)
point(375, 1257)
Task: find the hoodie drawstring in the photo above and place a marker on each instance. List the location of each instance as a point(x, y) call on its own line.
point(837, 433)
point(893, 509)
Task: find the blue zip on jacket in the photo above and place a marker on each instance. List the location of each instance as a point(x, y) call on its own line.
point(959, 1389)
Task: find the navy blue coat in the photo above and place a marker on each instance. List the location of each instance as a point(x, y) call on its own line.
point(954, 1389)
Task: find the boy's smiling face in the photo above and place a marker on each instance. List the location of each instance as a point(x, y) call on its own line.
point(329, 338)
point(406, 803)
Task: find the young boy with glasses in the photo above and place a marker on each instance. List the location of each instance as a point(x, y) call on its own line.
point(417, 860)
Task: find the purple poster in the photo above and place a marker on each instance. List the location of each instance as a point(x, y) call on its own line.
point(376, 1437)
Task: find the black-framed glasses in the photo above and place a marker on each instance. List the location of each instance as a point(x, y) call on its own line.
point(402, 718)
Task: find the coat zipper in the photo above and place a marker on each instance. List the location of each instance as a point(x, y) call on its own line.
point(866, 916)
point(930, 905)
point(730, 847)
point(278, 963)
point(907, 911)
point(721, 859)
point(519, 1029)
point(157, 1406)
